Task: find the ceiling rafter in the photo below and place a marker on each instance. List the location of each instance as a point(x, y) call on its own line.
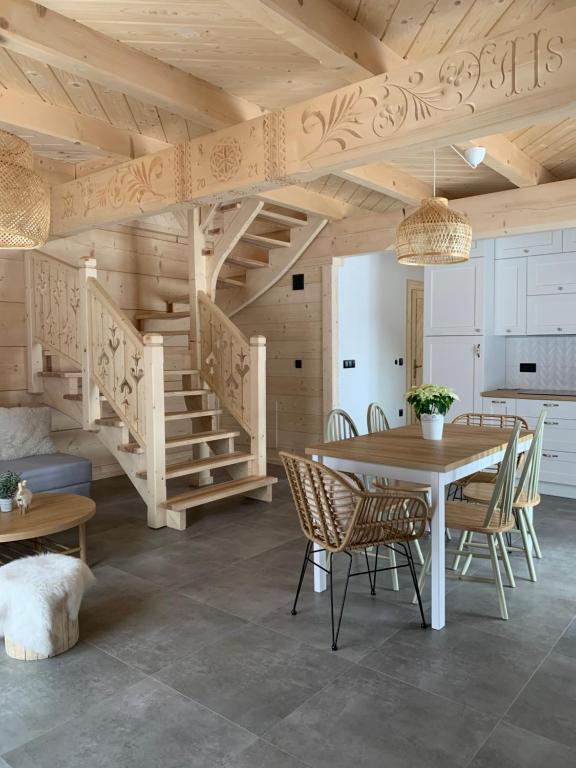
point(507, 159)
point(53, 39)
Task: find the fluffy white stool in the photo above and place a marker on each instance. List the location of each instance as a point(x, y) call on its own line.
point(39, 602)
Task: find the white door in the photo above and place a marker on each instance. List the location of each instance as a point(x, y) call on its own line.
point(551, 314)
point(454, 299)
point(454, 361)
point(552, 274)
point(510, 297)
point(531, 244)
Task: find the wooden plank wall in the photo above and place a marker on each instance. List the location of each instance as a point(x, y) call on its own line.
point(139, 269)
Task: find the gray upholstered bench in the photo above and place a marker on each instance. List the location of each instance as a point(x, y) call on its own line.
point(53, 472)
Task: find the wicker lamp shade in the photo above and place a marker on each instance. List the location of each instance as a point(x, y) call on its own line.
point(434, 234)
point(24, 196)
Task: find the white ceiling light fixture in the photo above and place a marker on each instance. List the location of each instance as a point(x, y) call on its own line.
point(473, 156)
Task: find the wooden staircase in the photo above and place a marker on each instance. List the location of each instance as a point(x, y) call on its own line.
point(170, 394)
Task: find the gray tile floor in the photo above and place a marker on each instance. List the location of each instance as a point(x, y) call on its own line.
point(190, 658)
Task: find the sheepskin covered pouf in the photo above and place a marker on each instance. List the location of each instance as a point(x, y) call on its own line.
point(40, 598)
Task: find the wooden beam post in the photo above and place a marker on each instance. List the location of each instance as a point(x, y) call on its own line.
point(330, 345)
point(90, 392)
point(153, 364)
point(34, 360)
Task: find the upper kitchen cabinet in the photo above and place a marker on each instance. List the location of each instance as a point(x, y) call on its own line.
point(481, 248)
point(455, 298)
point(552, 274)
point(510, 297)
point(551, 314)
point(569, 240)
point(531, 244)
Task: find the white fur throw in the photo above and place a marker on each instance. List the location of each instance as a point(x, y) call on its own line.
point(25, 432)
point(30, 588)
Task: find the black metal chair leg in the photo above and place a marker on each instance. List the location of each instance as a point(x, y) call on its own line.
point(372, 585)
point(336, 634)
point(412, 567)
point(302, 574)
point(375, 569)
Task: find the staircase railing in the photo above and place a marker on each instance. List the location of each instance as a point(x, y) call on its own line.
point(234, 367)
point(70, 314)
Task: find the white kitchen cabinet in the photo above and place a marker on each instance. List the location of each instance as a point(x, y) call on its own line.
point(558, 467)
point(454, 299)
point(510, 297)
point(551, 314)
point(531, 244)
point(456, 362)
point(552, 274)
point(481, 249)
point(499, 405)
point(555, 409)
point(569, 240)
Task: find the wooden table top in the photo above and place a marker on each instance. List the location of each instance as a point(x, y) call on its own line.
point(49, 513)
point(405, 447)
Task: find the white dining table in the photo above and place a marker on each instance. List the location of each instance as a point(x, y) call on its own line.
point(402, 454)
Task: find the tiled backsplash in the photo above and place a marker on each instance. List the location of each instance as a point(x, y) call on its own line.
point(555, 358)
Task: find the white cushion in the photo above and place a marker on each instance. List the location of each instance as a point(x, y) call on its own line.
point(25, 432)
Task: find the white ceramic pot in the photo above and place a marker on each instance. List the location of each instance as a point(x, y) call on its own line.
point(5, 505)
point(432, 426)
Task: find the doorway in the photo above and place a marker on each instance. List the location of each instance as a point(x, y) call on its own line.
point(414, 337)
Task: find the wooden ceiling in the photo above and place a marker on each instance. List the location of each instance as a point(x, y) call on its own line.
point(231, 44)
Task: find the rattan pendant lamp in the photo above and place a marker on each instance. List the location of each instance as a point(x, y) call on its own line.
point(24, 196)
point(434, 234)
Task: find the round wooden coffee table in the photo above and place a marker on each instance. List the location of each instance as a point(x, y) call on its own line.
point(49, 513)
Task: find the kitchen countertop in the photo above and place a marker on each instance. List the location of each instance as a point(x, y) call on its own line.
point(516, 394)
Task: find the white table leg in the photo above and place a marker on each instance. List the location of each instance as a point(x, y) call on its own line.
point(319, 575)
point(437, 545)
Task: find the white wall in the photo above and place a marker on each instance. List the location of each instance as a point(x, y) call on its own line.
point(372, 331)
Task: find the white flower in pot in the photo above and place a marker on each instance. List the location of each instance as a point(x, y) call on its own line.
point(8, 486)
point(431, 403)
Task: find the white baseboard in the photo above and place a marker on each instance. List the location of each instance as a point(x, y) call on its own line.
point(556, 489)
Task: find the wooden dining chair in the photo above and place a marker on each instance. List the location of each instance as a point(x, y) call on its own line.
point(498, 420)
point(376, 419)
point(492, 520)
point(526, 497)
point(338, 517)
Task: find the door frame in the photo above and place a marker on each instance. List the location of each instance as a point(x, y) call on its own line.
point(412, 286)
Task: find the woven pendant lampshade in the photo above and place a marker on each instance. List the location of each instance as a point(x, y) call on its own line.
point(24, 196)
point(434, 234)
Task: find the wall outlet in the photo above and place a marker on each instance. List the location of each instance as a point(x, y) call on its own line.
point(297, 363)
point(349, 364)
point(527, 367)
point(297, 282)
point(400, 411)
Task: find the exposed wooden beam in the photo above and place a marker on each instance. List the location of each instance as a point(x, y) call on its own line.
point(446, 99)
point(325, 33)
point(389, 181)
point(309, 201)
point(504, 157)
point(514, 211)
point(30, 114)
point(56, 40)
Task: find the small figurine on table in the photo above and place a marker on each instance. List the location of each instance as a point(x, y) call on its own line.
point(23, 497)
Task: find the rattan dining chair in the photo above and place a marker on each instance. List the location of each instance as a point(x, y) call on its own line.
point(498, 420)
point(526, 497)
point(377, 422)
point(492, 520)
point(338, 517)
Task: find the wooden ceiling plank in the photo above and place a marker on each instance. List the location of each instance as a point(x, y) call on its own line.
point(441, 23)
point(390, 181)
point(43, 79)
point(323, 32)
point(33, 30)
point(349, 127)
point(81, 94)
point(30, 114)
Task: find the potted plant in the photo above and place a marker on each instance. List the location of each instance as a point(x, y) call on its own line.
point(8, 487)
point(431, 403)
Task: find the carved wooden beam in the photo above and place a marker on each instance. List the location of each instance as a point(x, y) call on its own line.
point(492, 86)
point(47, 36)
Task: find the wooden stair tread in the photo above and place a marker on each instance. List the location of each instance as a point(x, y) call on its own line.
point(264, 241)
point(244, 261)
point(281, 218)
point(77, 398)
point(154, 315)
point(186, 392)
point(237, 281)
point(200, 437)
point(183, 299)
point(178, 415)
point(61, 374)
point(109, 421)
point(207, 493)
point(182, 468)
point(131, 448)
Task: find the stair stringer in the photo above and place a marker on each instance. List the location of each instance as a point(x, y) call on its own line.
point(281, 260)
point(110, 437)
